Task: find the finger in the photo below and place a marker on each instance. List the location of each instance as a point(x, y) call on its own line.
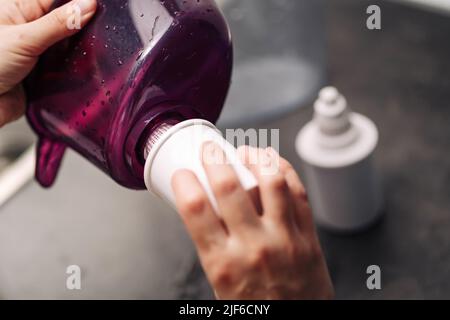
point(203, 224)
point(295, 185)
point(275, 196)
point(12, 105)
point(235, 205)
point(30, 10)
point(303, 215)
point(33, 9)
point(23, 11)
point(36, 36)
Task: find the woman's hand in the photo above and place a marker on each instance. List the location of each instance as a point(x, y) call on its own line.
point(251, 253)
point(26, 31)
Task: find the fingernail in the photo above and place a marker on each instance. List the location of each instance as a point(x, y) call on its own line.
point(86, 6)
point(213, 154)
point(266, 159)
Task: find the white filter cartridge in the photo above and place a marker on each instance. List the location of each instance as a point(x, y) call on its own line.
point(179, 147)
point(337, 150)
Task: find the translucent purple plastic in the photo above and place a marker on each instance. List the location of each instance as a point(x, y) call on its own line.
point(138, 64)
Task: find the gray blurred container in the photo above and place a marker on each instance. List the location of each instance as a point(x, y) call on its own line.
point(280, 57)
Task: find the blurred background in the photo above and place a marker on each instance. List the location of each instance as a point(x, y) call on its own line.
point(130, 245)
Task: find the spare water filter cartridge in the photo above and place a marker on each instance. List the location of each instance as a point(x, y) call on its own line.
point(336, 149)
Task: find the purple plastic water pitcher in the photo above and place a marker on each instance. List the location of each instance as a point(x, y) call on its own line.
point(139, 64)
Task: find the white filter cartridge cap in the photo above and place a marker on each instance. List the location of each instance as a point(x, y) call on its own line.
point(180, 148)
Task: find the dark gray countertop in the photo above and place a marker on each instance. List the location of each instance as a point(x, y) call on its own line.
point(400, 77)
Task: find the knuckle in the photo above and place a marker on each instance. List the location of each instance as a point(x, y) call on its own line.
point(21, 36)
point(222, 276)
point(315, 252)
point(260, 256)
point(310, 251)
point(298, 191)
point(277, 182)
point(59, 17)
point(23, 43)
point(193, 204)
point(226, 185)
point(285, 165)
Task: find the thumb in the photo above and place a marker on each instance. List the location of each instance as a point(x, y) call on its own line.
point(37, 36)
